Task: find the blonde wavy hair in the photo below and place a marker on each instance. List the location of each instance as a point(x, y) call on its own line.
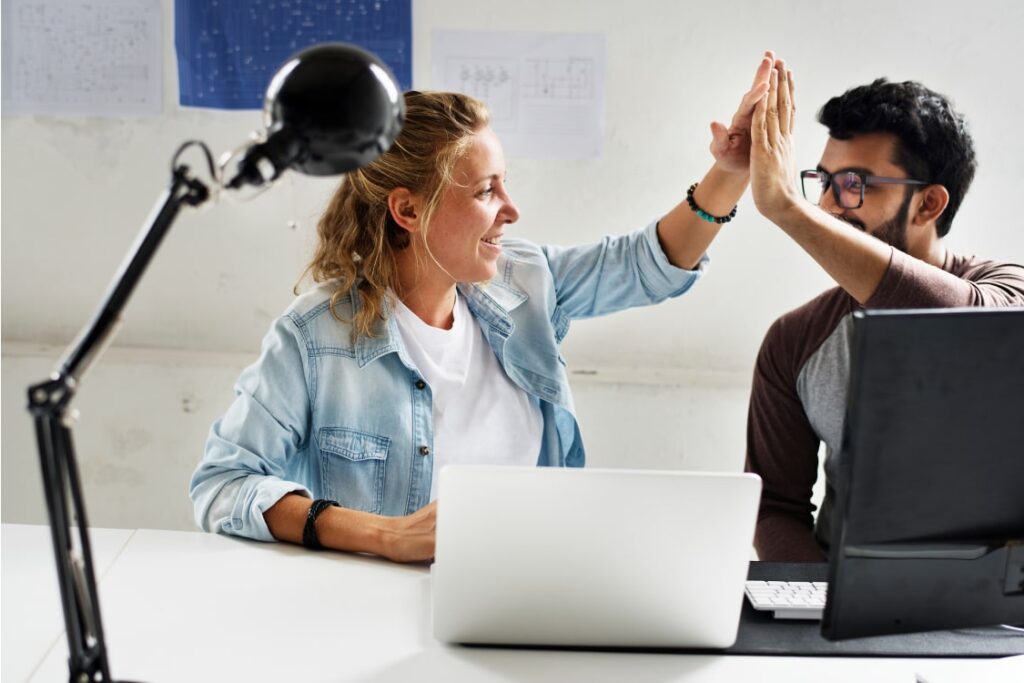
point(356, 236)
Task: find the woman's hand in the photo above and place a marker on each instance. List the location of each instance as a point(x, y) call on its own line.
point(731, 146)
point(410, 538)
point(772, 175)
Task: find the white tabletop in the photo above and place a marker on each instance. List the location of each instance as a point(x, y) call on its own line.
point(193, 606)
point(31, 621)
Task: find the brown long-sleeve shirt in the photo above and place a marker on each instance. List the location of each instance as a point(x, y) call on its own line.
point(798, 398)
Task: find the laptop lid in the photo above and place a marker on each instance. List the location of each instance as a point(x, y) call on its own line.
point(591, 557)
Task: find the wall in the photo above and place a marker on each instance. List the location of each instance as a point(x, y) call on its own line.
point(76, 190)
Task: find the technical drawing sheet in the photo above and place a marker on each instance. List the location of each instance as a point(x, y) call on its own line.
point(75, 57)
point(545, 91)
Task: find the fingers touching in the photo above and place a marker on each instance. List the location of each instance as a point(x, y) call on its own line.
point(792, 99)
point(785, 97)
point(774, 111)
point(761, 76)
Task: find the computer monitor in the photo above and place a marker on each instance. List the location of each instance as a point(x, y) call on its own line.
point(929, 528)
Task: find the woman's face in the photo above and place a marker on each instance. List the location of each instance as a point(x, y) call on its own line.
point(466, 230)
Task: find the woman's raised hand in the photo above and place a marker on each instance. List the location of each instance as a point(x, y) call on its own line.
point(731, 146)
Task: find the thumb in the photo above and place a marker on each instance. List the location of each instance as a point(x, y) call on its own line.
point(719, 135)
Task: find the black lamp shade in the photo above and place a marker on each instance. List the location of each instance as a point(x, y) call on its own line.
point(337, 106)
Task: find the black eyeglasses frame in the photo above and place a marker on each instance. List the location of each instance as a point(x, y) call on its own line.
point(866, 180)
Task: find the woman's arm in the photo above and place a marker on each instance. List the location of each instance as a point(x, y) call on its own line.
point(401, 539)
point(685, 236)
point(241, 486)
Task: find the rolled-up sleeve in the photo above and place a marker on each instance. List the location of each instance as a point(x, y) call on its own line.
point(242, 472)
point(617, 273)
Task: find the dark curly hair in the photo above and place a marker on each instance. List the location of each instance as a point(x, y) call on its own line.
point(933, 143)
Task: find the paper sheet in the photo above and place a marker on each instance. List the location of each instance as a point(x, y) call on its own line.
point(100, 57)
point(545, 91)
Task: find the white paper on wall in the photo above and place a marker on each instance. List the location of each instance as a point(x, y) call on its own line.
point(545, 91)
point(82, 57)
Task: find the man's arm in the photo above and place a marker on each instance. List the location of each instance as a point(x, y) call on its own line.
point(782, 449)
point(912, 283)
point(855, 260)
point(871, 271)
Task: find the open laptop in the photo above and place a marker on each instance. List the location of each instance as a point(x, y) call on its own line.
point(591, 557)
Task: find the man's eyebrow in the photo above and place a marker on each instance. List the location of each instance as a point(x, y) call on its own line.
point(847, 169)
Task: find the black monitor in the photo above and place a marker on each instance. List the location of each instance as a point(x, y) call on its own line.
point(929, 528)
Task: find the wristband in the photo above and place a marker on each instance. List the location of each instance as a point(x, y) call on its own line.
point(309, 536)
point(704, 214)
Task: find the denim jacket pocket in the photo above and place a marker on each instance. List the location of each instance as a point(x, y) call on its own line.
point(352, 467)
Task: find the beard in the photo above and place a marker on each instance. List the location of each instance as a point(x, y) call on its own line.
point(892, 231)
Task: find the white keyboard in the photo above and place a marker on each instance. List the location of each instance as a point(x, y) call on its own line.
point(788, 599)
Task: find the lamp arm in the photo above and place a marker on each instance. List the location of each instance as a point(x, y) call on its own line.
point(49, 403)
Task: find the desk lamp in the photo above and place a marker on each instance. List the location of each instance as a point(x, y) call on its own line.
point(329, 109)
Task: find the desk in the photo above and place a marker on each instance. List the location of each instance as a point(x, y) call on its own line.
point(191, 606)
point(32, 622)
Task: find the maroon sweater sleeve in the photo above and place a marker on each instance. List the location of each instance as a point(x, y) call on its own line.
point(962, 281)
point(782, 446)
point(783, 449)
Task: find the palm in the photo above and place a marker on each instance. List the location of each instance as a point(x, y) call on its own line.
point(731, 146)
point(732, 149)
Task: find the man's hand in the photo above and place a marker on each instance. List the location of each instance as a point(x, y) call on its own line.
point(731, 146)
point(410, 538)
point(772, 182)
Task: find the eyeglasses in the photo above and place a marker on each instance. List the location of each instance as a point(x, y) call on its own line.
point(847, 186)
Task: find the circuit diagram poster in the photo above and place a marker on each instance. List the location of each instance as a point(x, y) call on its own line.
point(228, 50)
point(545, 91)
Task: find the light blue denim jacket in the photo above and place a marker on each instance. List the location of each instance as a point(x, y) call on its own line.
point(319, 415)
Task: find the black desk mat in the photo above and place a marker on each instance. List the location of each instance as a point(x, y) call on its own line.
point(762, 634)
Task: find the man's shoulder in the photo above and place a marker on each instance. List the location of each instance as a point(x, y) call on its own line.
point(797, 334)
point(975, 269)
point(822, 312)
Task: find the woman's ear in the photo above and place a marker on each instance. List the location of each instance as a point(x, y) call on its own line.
point(405, 208)
point(932, 202)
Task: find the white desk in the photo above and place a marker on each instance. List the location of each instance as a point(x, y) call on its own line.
point(190, 606)
point(32, 622)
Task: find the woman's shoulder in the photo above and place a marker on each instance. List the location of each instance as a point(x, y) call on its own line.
point(314, 304)
point(520, 255)
point(519, 249)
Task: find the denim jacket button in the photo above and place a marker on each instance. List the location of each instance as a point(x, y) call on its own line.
point(420, 384)
point(424, 450)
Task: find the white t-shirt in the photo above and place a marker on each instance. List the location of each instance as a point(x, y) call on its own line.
point(480, 415)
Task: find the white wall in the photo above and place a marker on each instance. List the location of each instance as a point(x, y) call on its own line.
point(75, 191)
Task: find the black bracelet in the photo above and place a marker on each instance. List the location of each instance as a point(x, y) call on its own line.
point(309, 536)
point(704, 214)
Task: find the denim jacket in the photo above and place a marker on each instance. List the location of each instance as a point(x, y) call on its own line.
point(325, 417)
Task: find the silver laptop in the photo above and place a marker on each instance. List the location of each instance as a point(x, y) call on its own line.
point(591, 557)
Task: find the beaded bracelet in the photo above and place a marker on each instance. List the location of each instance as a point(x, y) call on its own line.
point(704, 214)
point(310, 539)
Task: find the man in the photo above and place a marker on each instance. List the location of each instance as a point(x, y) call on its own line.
point(894, 171)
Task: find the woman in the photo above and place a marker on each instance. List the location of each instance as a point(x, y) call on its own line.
point(433, 338)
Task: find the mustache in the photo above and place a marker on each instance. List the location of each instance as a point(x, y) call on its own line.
point(851, 220)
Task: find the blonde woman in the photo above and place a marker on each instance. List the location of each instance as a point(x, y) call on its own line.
point(432, 337)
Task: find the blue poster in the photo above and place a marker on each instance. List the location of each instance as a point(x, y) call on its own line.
point(228, 50)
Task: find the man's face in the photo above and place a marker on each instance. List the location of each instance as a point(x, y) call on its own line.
point(886, 208)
